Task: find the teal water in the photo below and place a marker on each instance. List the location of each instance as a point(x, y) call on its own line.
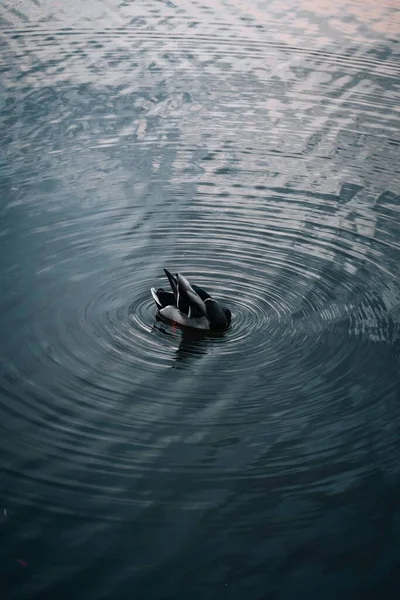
point(254, 147)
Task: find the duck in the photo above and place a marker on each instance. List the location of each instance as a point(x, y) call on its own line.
point(190, 305)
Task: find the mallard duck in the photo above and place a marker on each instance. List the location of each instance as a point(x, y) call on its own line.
point(190, 305)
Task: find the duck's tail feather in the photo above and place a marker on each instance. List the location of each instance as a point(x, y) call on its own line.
point(162, 298)
point(173, 282)
point(155, 297)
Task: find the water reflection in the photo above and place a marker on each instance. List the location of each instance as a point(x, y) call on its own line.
point(193, 344)
point(254, 146)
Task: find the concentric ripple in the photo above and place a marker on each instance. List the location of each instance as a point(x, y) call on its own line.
point(308, 295)
point(255, 150)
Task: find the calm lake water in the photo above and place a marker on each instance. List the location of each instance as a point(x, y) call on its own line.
point(253, 146)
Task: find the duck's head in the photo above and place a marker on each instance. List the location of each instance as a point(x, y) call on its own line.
point(219, 316)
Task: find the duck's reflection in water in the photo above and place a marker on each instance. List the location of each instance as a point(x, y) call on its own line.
point(194, 343)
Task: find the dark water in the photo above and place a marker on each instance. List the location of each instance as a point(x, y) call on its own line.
point(255, 147)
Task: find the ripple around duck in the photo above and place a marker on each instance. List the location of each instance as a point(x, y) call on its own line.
point(107, 383)
point(234, 183)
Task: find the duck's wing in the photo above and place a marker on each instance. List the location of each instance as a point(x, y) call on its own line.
point(186, 299)
point(181, 299)
point(187, 296)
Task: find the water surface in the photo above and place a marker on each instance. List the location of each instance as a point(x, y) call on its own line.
point(253, 146)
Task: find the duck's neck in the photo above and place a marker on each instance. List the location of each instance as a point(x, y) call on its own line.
point(215, 314)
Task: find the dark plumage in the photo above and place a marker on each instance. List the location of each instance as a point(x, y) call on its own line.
point(190, 305)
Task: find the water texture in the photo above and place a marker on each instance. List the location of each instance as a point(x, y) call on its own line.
point(253, 146)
